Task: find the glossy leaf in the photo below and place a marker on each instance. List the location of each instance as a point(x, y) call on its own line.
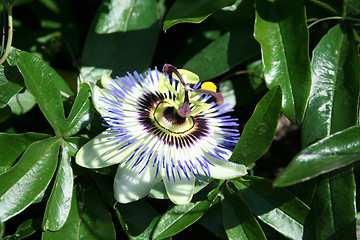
point(88, 218)
point(333, 106)
point(59, 203)
point(276, 207)
point(231, 49)
point(335, 88)
point(11, 83)
point(281, 30)
point(138, 219)
point(126, 32)
point(180, 217)
point(239, 222)
point(81, 112)
point(13, 145)
point(259, 131)
point(188, 11)
point(45, 85)
point(22, 103)
point(26, 180)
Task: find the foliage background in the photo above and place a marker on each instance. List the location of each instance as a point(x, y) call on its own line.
point(297, 58)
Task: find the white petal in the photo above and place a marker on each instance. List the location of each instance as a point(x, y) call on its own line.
point(100, 105)
point(101, 152)
point(130, 185)
point(180, 192)
point(225, 170)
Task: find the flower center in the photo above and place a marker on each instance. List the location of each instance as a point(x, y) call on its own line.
point(167, 117)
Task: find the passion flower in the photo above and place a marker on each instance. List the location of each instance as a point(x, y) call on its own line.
point(161, 127)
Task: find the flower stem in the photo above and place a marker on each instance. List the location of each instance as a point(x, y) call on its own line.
point(10, 35)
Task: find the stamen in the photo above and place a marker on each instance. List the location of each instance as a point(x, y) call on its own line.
point(219, 99)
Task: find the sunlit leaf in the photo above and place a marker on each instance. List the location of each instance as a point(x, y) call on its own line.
point(25, 181)
point(281, 30)
point(276, 207)
point(13, 145)
point(180, 217)
point(59, 203)
point(46, 86)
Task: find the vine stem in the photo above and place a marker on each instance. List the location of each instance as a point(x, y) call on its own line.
point(10, 35)
point(332, 18)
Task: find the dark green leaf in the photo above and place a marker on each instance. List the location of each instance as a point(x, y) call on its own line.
point(259, 131)
point(212, 221)
point(138, 219)
point(5, 113)
point(181, 216)
point(229, 50)
point(25, 229)
point(333, 106)
point(188, 11)
point(25, 181)
point(281, 30)
point(13, 145)
point(126, 32)
point(276, 207)
point(334, 201)
point(81, 112)
point(88, 218)
point(44, 83)
point(58, 205)
point(335, 86)
point(11, 83)
point(239, 222)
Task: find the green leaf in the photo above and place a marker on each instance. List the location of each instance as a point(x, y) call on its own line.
point(25, 229)
point(81, 112)
point(335, 151)
point(259, 131)
point(276, 207)
point(13, 145)
point(188, 11)
point(335, 86)
point(212, 221)
point(334, 200)
point(58, 205)
point(88, 218)
point(281, 30)
point(25, 181)
point(11, 83)
point(22, 103)
point(45, 85)
point(231, 49)
point(239, 222)
point(127, 33)
point(138, 219)
point(333, 106)
point(5, 113)
point(180, 217)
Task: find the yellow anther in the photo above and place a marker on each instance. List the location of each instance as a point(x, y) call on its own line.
point(210, 86)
